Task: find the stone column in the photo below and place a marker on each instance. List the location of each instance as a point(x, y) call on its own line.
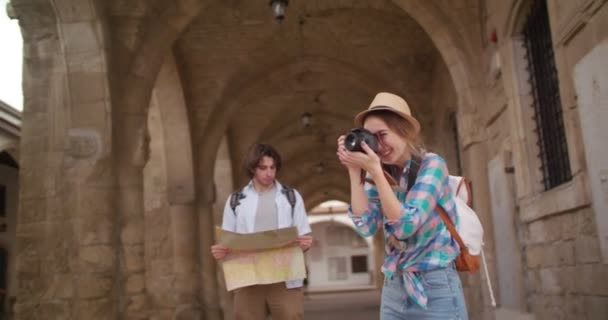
point(184, 229)
point(130, 157)
point(475, 161)
point(180, 190)
point(209, 294)
point(66, 253)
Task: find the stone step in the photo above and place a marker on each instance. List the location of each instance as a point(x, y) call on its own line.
point(509, 314)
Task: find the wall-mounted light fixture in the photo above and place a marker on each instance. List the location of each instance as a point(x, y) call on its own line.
point(306, 119)
point(278, 8)
point(319, 168)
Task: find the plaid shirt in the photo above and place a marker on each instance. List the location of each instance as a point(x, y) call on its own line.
point(426, 243)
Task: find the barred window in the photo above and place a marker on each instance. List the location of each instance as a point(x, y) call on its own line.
point(553, 149)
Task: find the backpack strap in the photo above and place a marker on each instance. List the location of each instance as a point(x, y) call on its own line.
point(467, 185)
point(235, 200)
point(237, 196)
point(291, 197)
point(450, 225)
point(413, 171)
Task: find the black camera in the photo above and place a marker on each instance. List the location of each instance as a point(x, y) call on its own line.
point(353, 140)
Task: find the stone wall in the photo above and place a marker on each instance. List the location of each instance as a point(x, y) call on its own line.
point(556, 230)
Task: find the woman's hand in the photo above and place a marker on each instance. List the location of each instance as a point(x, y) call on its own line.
point(219, 252)
point(368, 161)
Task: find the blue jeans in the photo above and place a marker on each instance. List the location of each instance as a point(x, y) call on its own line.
point(443, 289)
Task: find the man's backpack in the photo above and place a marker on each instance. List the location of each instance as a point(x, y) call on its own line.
point(469, 233)
point(237, 196)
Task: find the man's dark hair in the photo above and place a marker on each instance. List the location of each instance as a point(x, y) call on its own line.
point(256, 153)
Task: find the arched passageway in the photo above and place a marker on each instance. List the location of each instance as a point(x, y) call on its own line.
point(143, 113)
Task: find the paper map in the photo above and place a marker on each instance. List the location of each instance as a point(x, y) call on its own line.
point(261, 257)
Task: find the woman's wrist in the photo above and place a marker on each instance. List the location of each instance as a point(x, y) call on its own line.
point(353, 172)
point(376, 173)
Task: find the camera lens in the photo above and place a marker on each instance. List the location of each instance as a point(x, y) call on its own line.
point(351, 142)
point(355, 137)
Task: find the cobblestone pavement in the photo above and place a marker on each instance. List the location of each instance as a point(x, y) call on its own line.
point(352, 305)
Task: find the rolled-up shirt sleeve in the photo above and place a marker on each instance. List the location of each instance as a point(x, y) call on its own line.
point(368, 223)
point(421, 200)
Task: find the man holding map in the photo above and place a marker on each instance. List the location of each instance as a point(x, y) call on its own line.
point(269, 220)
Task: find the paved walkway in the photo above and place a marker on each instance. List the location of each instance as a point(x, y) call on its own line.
point(351, 305)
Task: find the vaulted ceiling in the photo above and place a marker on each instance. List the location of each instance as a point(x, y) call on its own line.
point(257, 77)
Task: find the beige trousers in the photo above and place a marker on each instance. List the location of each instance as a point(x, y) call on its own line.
point(254, 302)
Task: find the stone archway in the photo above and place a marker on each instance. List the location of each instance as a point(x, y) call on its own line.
point(170, 248)
point(100, 96)
point(455, 50)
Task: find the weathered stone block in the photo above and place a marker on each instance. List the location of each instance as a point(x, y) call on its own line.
point(135, 283)
point(135, 306)
point(48, 310)
point(562, 253)
point(596, 307)
point(161, 290)
point(587, 249)
point(93, 286)
point(566, 223)
point(134, 258)
point(591, 279)
point(32, 210)
point(568, 278)
point(92, 114)
point(533, 281)
point(160, 266)
point(550, 283)
point(32, 288)
point(70, 11)
point(539, 233)
point(535, 255)
point(62, 287)
point(95, 231)
point(83, 143)
point(132, 233)
point(584, 222)
point(98, 258)
point(94, 309)
point(163, 314)
point(82, 37)
point(88, 86)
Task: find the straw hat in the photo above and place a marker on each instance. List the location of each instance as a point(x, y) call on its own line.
point(390, 102)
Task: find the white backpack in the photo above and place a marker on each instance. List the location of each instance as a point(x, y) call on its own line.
point(469, 227)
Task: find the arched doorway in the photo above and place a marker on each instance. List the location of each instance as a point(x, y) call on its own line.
point(340, 259)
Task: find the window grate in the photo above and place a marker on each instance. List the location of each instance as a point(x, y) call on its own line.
point(553, 149)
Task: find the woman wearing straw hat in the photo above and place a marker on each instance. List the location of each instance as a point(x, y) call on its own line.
point(420, 279)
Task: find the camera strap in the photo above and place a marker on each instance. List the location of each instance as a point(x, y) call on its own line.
point(387, 175)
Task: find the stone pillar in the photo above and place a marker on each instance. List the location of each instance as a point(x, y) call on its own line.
point(209, 293)
point(476, 170)
point(66, 254)
point(180, 192)
point(130, 157)
point(183, 221)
